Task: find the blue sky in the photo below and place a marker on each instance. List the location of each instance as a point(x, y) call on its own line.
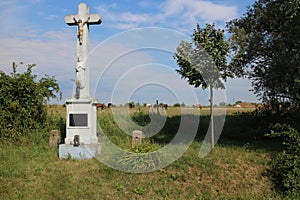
point(128, 61)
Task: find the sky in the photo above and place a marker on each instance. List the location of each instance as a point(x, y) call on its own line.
point(131, 52)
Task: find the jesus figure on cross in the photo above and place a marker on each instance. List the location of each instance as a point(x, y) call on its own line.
point(80, 24)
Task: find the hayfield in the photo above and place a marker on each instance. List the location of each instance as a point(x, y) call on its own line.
point(238, 168)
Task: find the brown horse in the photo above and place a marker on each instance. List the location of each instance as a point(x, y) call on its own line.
point(163, 105)
point(198, 106)
point(100, 105)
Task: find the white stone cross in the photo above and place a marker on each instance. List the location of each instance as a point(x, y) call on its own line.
point(82, 20)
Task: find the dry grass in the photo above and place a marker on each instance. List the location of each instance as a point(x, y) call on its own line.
point(59, 110)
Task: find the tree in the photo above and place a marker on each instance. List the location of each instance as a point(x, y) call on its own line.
point(222, 104)
point(176, 105)
point(265, 48)
point(204, 63)
point(22, 100)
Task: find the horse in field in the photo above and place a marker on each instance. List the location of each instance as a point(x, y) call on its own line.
point(198, 106)
point(164, 106)
point(100, 105)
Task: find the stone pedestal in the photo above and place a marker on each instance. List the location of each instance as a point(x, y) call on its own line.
point(81, 123)
point(81, 120)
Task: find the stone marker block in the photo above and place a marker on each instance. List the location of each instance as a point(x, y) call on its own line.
point(54, 138)
point(137, 137)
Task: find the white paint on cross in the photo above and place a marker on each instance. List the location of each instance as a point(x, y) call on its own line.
point(82, 20)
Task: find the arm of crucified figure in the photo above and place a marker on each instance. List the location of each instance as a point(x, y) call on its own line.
point(86, 21)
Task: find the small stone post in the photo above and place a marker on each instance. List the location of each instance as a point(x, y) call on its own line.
point(136, 137)
point(54, 138)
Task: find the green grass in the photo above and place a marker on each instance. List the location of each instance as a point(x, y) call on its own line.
point(230, 173)
point(236, 169)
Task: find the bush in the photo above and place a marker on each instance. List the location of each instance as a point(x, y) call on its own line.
point(176, 105)
point(22, 102)
point(285, 165)
point(141, 118)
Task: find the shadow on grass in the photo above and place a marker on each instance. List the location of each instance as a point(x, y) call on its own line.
point(240, 129)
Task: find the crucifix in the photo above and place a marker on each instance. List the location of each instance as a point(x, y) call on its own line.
point(82, 20)
point(81, 139)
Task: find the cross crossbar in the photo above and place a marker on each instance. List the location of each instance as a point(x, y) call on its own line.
point(83, 14)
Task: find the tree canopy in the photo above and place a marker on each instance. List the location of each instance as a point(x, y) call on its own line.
point(22, 100)
point(265, 48)
point(203, 62)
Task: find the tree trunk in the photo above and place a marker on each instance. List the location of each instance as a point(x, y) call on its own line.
point(212, 118)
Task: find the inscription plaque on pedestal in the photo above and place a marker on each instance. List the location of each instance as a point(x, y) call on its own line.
point(79, 120)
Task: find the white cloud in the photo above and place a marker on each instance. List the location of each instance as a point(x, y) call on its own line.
point(50, 59)
point(195, 9)
point(170, 13)
point(66, 34)
point(104, 11)
point(124, 26)
point(54, 57)
point(136, 18)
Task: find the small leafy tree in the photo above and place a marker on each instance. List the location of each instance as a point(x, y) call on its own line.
point(22, 101)
point(204, 61)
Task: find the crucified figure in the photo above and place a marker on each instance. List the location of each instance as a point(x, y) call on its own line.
point(80, 25)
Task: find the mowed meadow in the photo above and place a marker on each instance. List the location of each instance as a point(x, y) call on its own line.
point(238, 167)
